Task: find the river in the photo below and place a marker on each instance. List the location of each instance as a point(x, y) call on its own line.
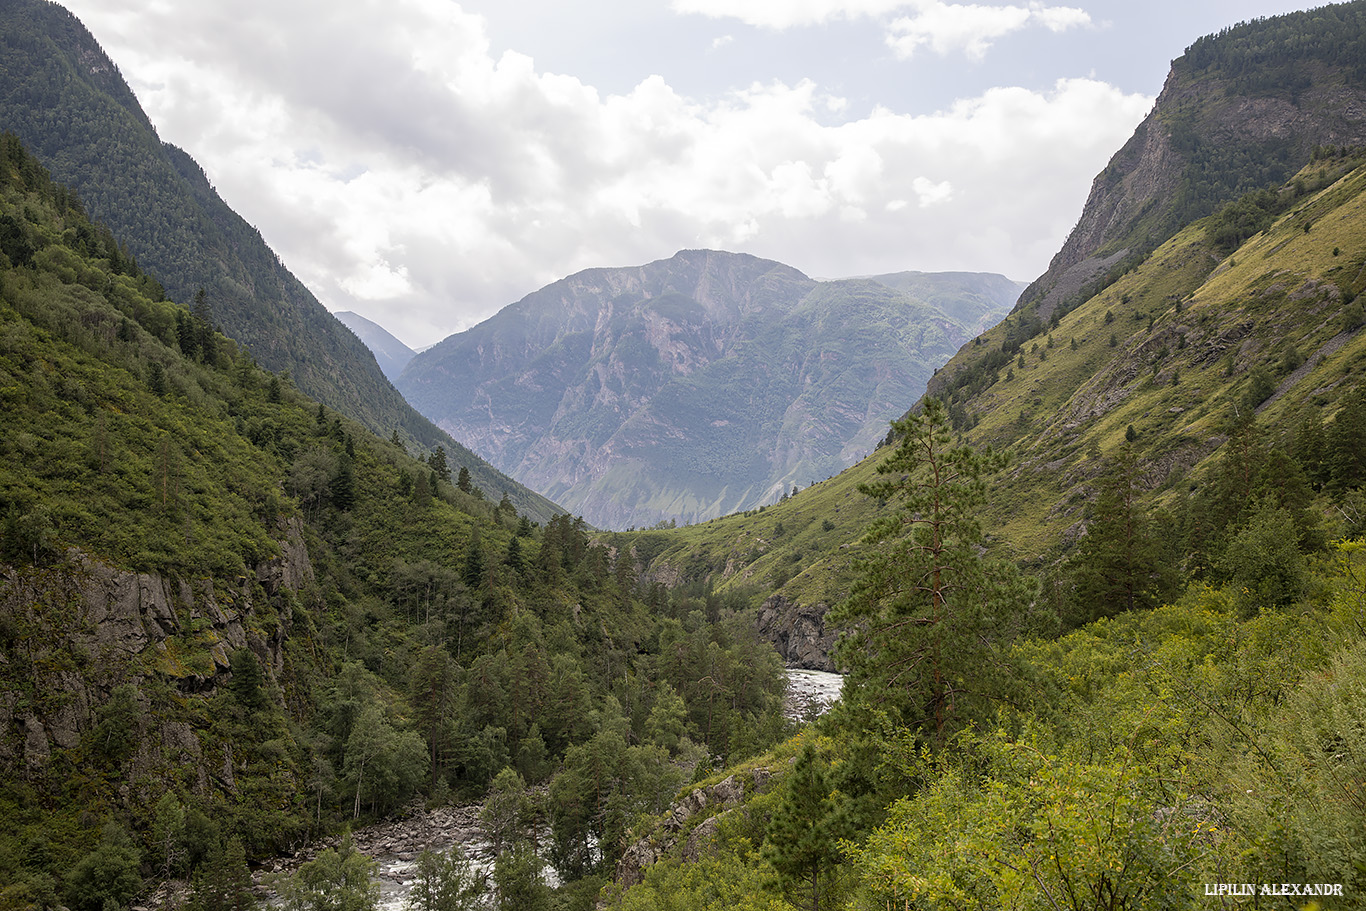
point(809, 693)
point(396, 845)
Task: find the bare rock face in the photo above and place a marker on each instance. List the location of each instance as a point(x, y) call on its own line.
point(85, 627)
point(798, 632)
point(1139, 199)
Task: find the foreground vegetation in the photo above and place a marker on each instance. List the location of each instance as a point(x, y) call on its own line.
point(1214, 735)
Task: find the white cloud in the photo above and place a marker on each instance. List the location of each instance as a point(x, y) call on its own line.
point(405, 171)
point(930, 193)
point(949, 27)
point(944, 27)
point(782, 14)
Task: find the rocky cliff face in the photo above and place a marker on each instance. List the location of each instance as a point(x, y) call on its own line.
point(690, 823)
point(78, 630)
point(687, 388)
point(798, 632)
point(1190, 156)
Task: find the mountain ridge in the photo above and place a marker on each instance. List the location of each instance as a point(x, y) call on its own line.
point(687, 387)
point(1212, 135)
point(391, 353)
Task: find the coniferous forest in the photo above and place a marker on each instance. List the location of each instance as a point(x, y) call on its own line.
point(351, 627)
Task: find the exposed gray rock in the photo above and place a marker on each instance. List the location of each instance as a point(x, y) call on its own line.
point(798, 632)
point(682, 827)
point(116, 625)
point(36, 750)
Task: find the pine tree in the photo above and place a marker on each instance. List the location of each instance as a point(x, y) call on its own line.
point(803, 832)
point(1119, 563)
point(514, 559)
point(1347, 442)
point(437, 463)
point(928, 617)
point(473, 571)
point(223, 883)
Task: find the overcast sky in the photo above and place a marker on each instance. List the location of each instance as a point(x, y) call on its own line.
point(427, 162)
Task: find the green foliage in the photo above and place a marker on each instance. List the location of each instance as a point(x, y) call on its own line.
point(224, 882)
point(445, 882)
point(1123, 562)
point(106, 877)
point(338, 879)
point(802, 842)
point(507, 810)
point(1018, 827)
point(519, 881)
point(928, 619)
point(388, 652)
point(1263, 559)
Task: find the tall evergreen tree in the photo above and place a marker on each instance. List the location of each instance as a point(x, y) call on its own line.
point(803, 833)
point(437, 462)
point(1119, 564)
point(1347, 443)
point(223, 883)
point(928, 617)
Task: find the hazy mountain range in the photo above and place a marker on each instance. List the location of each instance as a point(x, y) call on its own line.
point(695, 386)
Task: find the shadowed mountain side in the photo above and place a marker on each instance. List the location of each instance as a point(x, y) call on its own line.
point(391, 354)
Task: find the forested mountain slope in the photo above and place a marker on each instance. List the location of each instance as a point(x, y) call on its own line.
point(232, 619)
point(695, 386)
point(64, 98)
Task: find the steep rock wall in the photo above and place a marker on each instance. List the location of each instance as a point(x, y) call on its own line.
point(72, 633)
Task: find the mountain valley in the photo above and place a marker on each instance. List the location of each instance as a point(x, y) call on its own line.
point(1097, 596)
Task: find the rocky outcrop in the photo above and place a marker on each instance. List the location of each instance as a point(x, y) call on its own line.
point(798, 632)
point(691, 821)
point(78, 630)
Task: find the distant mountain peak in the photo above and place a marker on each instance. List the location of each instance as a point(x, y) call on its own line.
point(692, 386)
point(391, 353)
